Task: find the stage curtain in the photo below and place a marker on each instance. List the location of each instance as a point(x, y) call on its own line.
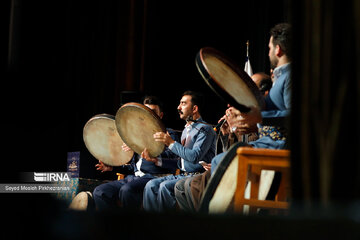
point(325, 126)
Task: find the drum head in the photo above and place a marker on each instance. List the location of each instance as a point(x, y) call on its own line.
point(136, 125)
point(104, 142)
point(220, 190)
point(83, 202)
point(228, 81)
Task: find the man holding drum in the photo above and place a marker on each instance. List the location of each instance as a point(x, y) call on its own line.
point(129, 191)
point(198, 144)
point(183, 193)
point(277, 105)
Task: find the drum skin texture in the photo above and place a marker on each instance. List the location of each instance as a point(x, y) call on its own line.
point(219, 192)
point(104, 142)
point(136, 125)
point(83, 202)
point(228, 81)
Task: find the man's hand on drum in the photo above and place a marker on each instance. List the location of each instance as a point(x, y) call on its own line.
point(125, 148)
point(207, 166)
point(231, 115)
point(163, 137)
point(103, 167)
point(243, 123)
point(145, 154)
point(225, 128)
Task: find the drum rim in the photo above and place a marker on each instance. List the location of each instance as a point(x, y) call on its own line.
point(143, 107)
point(217, 176)
point(162, 126)
point(107, 117)
point(103, 115)
point(97, 116)
point(212, 82)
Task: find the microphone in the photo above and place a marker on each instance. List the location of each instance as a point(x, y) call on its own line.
point(217, 127)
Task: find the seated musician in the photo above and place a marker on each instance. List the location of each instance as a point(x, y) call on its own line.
point(227, 137)
point(129, 191)
point(277, 103)
point(271, 133)
point(185, 200)
point(198, 144)
point(263, 82)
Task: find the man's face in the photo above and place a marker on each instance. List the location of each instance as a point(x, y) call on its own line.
point(185, 107)
point(272, 55)
point(155, 109)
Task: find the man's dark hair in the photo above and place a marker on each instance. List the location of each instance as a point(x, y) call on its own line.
point(153, 100)
point(196, 99)
point(282, 36)
point(265, 85)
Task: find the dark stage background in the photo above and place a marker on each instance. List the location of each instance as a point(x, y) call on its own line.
point(66, 61)
point(70, 60)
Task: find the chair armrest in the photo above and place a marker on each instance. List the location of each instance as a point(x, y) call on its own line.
point(263, 152)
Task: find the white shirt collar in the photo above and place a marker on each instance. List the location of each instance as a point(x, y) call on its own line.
point(190, 123)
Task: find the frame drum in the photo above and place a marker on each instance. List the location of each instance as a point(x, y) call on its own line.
point(228, 81)
point(220, 190)
point(103, 141)
point(83, 201)
point(136, 125)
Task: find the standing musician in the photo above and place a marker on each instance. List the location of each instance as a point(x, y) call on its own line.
point(197, 144)
point(271, 135)
point(129, 191)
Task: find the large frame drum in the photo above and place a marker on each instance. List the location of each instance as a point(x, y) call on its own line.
point(228, 81)
point(104, 142)
point(220, 190)
point(136, 125)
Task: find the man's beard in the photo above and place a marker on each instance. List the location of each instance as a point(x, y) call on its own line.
point(273, 62)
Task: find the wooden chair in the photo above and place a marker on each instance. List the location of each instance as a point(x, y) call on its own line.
point(251, 162)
